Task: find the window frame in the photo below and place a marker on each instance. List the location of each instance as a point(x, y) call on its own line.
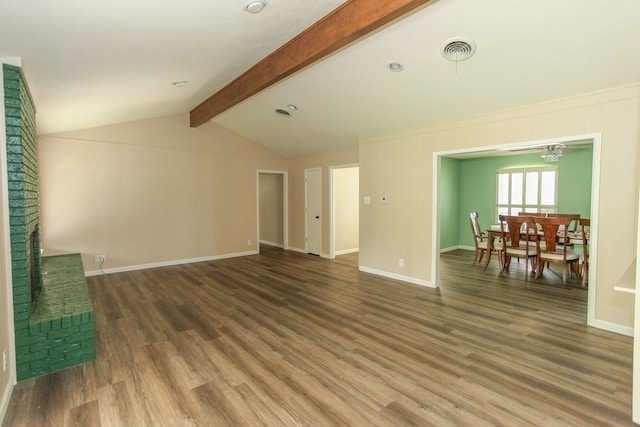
point(515, 208)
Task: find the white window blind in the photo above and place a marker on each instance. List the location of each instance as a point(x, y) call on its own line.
point(532, 189)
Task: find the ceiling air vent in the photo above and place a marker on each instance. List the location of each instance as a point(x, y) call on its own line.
point(282, 112)
point(458, 49)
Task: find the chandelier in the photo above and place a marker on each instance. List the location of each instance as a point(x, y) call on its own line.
point(551, 153)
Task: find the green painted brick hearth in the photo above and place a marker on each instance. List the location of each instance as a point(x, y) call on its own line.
point(55, 330)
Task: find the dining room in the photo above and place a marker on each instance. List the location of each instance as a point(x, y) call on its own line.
point(513, 180)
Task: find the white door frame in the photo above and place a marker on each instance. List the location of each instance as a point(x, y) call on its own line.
point(596, 138)
point(306, 209)
point(285, 207)
point(635, 402)
point(332, 207)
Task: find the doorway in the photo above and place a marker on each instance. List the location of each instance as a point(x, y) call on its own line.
point(272, 206)
point(313, 211)
point(594, 139)
point(344, 230)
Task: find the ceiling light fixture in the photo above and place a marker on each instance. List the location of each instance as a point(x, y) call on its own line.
point(179, 83)
point(551, 153)
point(255, 6)
point(292, 107)
point(395, 67)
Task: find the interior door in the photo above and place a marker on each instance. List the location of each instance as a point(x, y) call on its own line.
point(313, 192)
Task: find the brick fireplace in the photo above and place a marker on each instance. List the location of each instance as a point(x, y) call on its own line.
point(50, 332)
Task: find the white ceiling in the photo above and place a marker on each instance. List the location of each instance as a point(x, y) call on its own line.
point(92, 63)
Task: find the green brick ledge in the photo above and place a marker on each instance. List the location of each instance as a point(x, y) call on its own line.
point(61, 330)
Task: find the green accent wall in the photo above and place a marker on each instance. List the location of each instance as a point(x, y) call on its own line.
point(476, 189)
point(449, 202)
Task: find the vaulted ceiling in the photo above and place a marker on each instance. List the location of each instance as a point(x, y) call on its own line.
point(93, 63)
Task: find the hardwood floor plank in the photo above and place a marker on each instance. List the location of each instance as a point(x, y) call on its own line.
point(47, 407)
point(19, 408)
point(410, 414)
point(287, 339)
point(83, 415)
point(210, 362)
point(222, 408)
point(117, 407)
point(250, 404)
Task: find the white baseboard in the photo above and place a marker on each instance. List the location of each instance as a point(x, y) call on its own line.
point(397, 277)
point(275, 245)
point(613, 327)
point(302, 251)
point(347, 251)
point(167, 263)
point(291, 248)
point(453, 248)
point(6, 397)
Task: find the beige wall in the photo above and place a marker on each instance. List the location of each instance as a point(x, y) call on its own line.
point(150, 192)
point(347, 207)
point(297, 194)
point(400, 166)
point(271, 199)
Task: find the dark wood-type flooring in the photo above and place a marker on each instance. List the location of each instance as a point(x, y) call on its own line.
point(287, 339)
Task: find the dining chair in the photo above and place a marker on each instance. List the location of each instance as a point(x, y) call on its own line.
point(534, 215)
point(518, 233)
point(556, 248)
point(585, 224)
point(573, 224)
point(483, 242)
point(571, 229)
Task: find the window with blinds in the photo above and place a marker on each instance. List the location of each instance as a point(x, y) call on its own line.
point(532, 190)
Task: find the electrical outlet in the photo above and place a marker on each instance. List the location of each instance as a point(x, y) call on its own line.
point(101, 258)
point(4, 360)
point(249, 242)
point(401, 262)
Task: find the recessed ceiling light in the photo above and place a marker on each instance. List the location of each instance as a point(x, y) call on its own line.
point(282, 112)
point(255, 6)
point(179, 83)
point(395, 67)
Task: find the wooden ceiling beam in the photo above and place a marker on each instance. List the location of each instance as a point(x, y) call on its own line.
point(347, 23)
